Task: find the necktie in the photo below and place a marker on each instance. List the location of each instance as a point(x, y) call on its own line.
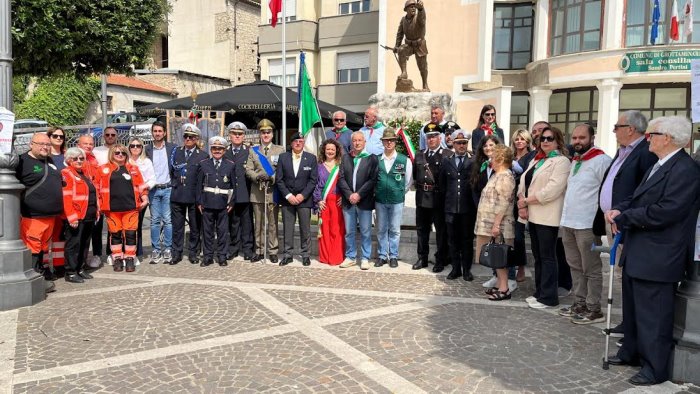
point(217, 163)
point(267, 148)
point(297, 156)
point(235, 151)
point(653, 170)
point(430, 154)
point(188, 153)
point(460, 160)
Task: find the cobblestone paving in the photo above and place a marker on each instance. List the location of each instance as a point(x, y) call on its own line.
point(264, 328)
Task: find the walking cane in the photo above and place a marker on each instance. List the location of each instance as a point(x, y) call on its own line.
point(613, 253)
point(265, 225)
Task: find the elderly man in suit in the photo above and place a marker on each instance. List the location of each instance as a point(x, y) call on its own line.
point(658, 220)
point(241, 217)
point(296, 179)
point(358, 177)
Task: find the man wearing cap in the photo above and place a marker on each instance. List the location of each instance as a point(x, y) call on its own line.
point(260, 169)
point(241, 216)
point(373, 131)
point(340, 132)
point(159, 195)
point(215, 196)
point(183, 174)
point(296, 180)
point(429, 208)
point(437, 116)
point(447, 129)
point(460, 211)
point(393, 181)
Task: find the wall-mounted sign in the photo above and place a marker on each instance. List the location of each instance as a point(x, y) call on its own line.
point(654, 61)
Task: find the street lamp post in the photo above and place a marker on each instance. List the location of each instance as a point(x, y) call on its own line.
point(20, 285)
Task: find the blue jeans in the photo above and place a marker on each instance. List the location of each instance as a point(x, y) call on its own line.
point(352, 215)
point(388, 229)
point(160, 219)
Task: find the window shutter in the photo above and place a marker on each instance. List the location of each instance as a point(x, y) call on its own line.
point(353, 60)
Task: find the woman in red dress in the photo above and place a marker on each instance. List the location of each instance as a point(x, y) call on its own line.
point(331, 226)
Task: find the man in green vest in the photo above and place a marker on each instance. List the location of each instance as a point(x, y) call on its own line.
point(393, 181)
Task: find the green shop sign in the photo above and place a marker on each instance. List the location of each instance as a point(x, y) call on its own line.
point(652, 61)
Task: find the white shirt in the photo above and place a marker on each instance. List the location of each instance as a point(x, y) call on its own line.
point(160, 165)
point(581, 198)
point(296, 162)
point(101, 154)
point(147, 171)
point(389, 162)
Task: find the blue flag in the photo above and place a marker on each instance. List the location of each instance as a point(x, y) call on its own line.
point(656, 15)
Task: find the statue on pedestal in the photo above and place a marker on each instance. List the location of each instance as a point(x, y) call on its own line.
point(412, 28)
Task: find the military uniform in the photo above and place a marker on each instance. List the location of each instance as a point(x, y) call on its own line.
point(241, 216)
point(183, 178)
point(429, 209)
point(216, 182)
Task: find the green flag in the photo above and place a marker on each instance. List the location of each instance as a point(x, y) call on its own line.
point(308, 109)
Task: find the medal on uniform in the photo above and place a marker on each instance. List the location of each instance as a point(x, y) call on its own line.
point(225, 179)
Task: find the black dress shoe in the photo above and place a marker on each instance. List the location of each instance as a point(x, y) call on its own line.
point(454, 275)
point(393, 263)
point(175, 260)
point(421, 263)
point(273, 259)
point(249, 257)
point(74, 278)
point(380, 262)
point(640, 380)
point(468, 277)
point(85, 275)
point(614, 360)
point(438, 268)
point(231, 256)
point(223, 263)
point(256, 258)
point(285, 261)
point(206, 263)
point(193, 259)
point(306, 261)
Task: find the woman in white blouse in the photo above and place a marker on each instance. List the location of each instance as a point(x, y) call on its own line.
point(137, 156)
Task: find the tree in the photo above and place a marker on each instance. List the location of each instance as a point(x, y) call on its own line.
point(83, 37)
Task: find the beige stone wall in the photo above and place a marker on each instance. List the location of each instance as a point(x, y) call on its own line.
point(244, 63)
point(183, 83)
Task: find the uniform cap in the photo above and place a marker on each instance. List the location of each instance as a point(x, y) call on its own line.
point(266, 124)
point(191, 129)
point(217, 141)
point(296, 136)
point(461, 135)
point(432, 129)
point(389, 134)
point(450, 127)
point(236, 127)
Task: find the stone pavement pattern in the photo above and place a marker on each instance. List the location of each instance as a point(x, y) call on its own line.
point(263, 328)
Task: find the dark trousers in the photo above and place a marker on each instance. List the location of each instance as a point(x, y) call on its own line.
point(139, 231)
point(648, 309)
point(97, 238)
point(544, 249)
point(564, 271)
point(519, 251)
point(241, 230)
point(460, 240)
point(425, 218)
point(289, 216)
point(178, 211)
point(77, 243)
point(215, 224)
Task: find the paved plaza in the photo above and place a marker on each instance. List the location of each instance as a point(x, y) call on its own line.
point(264, 328)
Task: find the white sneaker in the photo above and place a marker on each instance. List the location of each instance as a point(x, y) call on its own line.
point(137, 261)
point(348, 262)
point(167, 256)
point(538, 305)
point(512, 285)
point(490, 283)
point(109, 260)
point(563, 292)
point(95, 262)
point(531, 299)
point(364, 264)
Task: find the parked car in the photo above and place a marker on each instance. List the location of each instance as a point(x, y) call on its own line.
point(29, 123)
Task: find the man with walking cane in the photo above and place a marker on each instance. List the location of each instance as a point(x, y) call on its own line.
point(260, 169)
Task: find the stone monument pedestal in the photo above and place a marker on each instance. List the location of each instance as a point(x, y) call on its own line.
point(414, 106)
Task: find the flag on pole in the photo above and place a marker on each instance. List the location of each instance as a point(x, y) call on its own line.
point(688, 20)
point(275, 8)
point(309, 114)
point(410, 149)
point(674, 35)
point(656, 15)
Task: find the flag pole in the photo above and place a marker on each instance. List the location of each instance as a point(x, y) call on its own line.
point(284, 76)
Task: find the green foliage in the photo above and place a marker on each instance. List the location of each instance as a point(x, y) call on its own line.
point(411, 127)
point(61, 100)
point(19, 88)
point(51, 37)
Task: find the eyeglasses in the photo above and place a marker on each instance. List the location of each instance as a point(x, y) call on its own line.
point(339, 120)
point(78, 159)
point(217, 148)
point(110, 135)
point(189, 137)
point(547, 138)
point(617, 126)
point(460, 142)
point(119, 153)
point(58, 136)
point(392, 141)
point(42, 144)
point(299, 140)
point(132, 146)
point(490, 114)
point(653, 133)
point(265, 132)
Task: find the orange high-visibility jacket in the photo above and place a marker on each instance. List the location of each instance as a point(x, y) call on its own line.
point(75, 195)
point(105, 172)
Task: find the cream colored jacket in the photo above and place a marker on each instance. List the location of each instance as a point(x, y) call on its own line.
point(548, 186)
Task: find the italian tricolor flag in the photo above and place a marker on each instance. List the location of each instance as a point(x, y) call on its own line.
point(410, 149)
point(675, 36)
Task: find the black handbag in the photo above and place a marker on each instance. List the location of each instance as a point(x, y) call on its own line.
point(495, 255)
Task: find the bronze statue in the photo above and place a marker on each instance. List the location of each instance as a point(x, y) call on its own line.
point(412, 27)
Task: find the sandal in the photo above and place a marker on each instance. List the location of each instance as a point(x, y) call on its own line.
point(491, 290)
point(500, 295)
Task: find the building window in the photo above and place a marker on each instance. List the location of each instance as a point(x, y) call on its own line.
point(567, 108)
point(512, 36)
point(575, 26)
point(291, 9)
point(275, 71)
point(353, 67)
point(353, 7)
point(164, 51)
point(638, 23)
point(519, 111)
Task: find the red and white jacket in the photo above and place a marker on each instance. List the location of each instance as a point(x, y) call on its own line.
point(76, 194)
point(105, 172)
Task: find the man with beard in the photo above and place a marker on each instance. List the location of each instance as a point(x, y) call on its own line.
point(159, 196)
point(580, 206)
point(86, 142)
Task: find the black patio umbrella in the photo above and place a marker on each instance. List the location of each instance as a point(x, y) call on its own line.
point(260, 97)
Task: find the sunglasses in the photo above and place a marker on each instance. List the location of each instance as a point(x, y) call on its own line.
point(132, 146)
point(265, 132)
point(58, 136)
point(119, 153)
point(79, 159)
point(339, 120)
point(190, 137)
point(460, 142)
point(547, 138)
point(217, 148)
point(110, 135)
point(490, 114)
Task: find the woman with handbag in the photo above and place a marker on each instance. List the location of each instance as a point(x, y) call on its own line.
point(494, 218)
point(540, 202)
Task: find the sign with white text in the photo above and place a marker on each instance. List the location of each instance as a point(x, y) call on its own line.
point(7, 124)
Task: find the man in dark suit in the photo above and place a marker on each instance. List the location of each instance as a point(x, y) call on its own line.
point(357, 180)
point(296, 179)
point(159, 195)
point(626, 172)
point(460, 211)
point(429, 208)
point(658, 220)
point(241, 216)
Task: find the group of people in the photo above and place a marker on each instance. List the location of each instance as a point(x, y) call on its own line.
point(470, 187)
